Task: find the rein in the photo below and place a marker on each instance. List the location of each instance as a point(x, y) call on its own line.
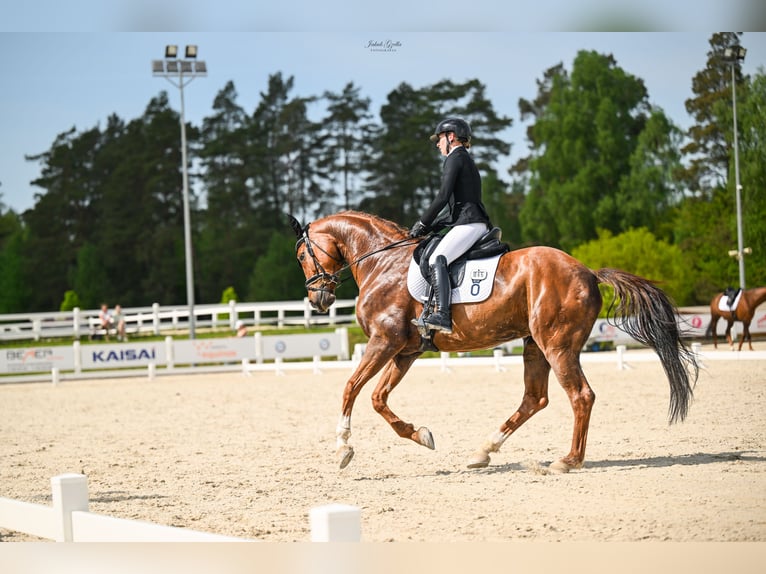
point(335, 278)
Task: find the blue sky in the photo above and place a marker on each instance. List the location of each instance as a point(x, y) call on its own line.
point(53, 81)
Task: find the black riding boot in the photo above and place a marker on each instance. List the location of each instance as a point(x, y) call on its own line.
point(441, 319)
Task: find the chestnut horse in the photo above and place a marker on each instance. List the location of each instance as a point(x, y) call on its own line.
point(744, 312)
point(540, 293)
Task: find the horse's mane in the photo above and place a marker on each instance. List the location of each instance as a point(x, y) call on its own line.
point(374, 218)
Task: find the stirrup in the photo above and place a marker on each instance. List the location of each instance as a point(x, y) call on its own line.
point(439, 322)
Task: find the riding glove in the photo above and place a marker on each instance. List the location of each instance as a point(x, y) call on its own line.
point(418, 230)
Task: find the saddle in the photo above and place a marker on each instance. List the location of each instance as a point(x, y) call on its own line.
point(488, 245)
point(731, 293)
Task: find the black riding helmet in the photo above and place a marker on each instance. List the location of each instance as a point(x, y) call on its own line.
point(460, 127)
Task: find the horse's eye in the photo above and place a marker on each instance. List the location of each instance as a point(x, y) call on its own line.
point(301, 257)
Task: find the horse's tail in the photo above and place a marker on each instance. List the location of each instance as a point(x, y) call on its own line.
point(709, 330)
point(647, 314)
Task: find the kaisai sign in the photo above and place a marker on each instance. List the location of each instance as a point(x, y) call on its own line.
point(122, 355)
point(36, 360)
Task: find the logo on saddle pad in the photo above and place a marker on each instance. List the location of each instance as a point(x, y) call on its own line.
point(481, 273)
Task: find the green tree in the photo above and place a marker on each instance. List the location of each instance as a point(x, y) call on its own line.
point(229, 240)
point(277, 275)
point(752, 122)
point(14, 290)
point(70, 302)
point(284, 154)
point(345, 135)
point(639, 252)
point(708, 148)
point(706, 225)
point(584, 140)
point(648, 192)
point(90, 280)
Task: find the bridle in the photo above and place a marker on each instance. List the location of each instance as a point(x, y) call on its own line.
point(329, 281)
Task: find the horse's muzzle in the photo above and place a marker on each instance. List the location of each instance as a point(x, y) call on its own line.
point(321, 299)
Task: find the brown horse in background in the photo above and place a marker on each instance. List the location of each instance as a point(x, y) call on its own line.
point(748, 303)
point(540, 293)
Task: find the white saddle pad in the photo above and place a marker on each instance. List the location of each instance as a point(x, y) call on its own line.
point(723, 304)
point(476, 287)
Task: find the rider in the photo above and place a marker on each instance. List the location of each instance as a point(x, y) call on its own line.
point(461, 192)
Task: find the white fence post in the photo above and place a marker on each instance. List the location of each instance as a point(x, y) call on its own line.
point(498, 355)
point(76, 350)
point(306, 312)
point(156, 318)
point(258, 347)
point(444, 356)
point(170, 357)
point(621, 364)
point(70, 493)
point(232, 315)
point(344, 350)
point(336, 523)
point(76, 322)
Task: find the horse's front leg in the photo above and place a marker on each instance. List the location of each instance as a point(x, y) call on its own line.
point(374, 358)
point(389, 379)
point(729, 340)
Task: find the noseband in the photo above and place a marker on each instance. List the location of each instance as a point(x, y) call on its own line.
point(328, 279)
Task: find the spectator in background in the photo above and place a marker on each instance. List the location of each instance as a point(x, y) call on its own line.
point(119, 321)
point(105, 319)
point(240, 328)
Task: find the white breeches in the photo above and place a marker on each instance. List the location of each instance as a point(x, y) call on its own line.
point(457, 241)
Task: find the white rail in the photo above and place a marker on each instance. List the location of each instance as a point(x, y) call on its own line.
point(158, 319)
point(69, 520)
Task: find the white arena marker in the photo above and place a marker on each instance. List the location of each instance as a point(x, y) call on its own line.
point(336, 523)
point(498, 355)
point(55, 376)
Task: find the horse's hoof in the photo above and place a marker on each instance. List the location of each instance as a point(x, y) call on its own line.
point(563, 467)
point(345, 453)
point(424, 437)
point(479, 459)
point(559, 467)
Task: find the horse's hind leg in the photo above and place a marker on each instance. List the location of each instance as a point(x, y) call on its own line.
point(536, 373)
point(746, 335)
point(714, 330)
point(567, 368)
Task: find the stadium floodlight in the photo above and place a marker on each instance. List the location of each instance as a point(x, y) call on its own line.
point(733, 55)
point(180, 73)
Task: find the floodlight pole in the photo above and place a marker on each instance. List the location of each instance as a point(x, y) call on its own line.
point(733, 54)
point(174, 73)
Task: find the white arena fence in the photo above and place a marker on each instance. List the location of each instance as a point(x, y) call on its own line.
point(169, 357)
point(268, 352)
point(158, 319)
point(69, 520)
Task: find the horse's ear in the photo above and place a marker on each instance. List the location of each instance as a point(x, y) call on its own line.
point(296, 226)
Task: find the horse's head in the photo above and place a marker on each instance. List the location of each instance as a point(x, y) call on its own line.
point(321, 262)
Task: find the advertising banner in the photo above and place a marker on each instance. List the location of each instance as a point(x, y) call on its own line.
point(301, 346)
point(122, 355)
point(37, 359)
point(230, 349)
